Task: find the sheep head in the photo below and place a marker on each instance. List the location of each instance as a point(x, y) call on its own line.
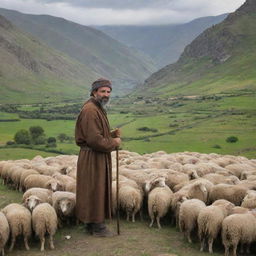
point(67, 206)
point(32, 201)
point(54, 185)
point(156, 182)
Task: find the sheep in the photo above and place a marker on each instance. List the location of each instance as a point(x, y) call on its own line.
point(19, 219)
point(4, 232)
point(249, 200)
point(44, 220)
point(23, 176)
point(159, 199)
point(238, 228)
point(218, 178)
point(64, 204)
point(189, 211)
point(42, 181)
point(45, 195)
point(233, 193)
point(130, 200)
point(237, 169)
point(209, 221)
point(65, 180)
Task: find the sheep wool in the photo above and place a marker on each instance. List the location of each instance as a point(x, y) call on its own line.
point(44, 220)
point(4, 232)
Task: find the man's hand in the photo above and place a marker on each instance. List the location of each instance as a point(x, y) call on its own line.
point(116, 133)
point(118, 141)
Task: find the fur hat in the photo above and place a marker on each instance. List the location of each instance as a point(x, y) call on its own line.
point(101, 82)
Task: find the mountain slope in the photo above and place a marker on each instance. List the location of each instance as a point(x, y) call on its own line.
point(222, 59)
point(31, 71)
point(163, 43)
point(100, 52)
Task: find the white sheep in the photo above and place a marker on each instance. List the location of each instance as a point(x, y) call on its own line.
point(4, 232)
point(210, 220)
point(189, 211)
point(233, 193)
point(159, 200)
point(249, 200)
point(64, 204)
point(19, 219)
point(238, 228)
point(45, 195)
point(44, 220)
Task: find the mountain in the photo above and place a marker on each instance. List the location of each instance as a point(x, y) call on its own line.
point(30, 71)
point(103, 54)
point(163, 43)
point(220, 60)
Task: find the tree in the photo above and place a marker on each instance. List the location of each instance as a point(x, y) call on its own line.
point(37, 134)
point(62, 136)
point(231, 139)
point(22, 137)
point(51, 142)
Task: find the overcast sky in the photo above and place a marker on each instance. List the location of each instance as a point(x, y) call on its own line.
point(125, 12)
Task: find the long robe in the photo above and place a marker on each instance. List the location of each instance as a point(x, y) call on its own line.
point(94, 180)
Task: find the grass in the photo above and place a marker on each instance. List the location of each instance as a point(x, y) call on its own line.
point(181, 124)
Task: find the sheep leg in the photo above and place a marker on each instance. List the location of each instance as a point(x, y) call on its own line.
point(226, 250)
point(26, 243)
point(141, 215)
point(128, 216)
point(210, 243)
point(42, 239)
point(202, 245)
point(248, 248)
point(188, 236)
point(133, 217)
point(2, 252)
point(12, 243)
point(51, 242)
point(158, 222)
point(152, 222)
point(234, 249)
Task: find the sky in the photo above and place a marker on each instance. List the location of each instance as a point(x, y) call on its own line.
point(125, 12)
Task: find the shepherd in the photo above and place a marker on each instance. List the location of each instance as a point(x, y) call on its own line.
point(94, 175)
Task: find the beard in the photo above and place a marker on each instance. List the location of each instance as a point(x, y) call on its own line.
point(103, 101)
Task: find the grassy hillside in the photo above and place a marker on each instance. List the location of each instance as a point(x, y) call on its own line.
point(30, 71)
point(104, 55)
point(173, 38)
point(221, 60)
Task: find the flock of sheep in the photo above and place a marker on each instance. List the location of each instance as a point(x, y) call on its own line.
point(211, 193)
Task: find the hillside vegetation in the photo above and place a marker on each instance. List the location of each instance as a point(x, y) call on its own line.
point(101, 53)
point(220, 60)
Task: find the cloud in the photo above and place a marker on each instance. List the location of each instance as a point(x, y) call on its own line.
point(128, 12)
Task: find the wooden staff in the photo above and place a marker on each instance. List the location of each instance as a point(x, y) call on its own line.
point(117, 192)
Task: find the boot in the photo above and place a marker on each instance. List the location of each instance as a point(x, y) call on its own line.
point(88, 228)
point(100, 230)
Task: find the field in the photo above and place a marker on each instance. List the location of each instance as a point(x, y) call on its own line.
point(199, 124)
point(136, 239)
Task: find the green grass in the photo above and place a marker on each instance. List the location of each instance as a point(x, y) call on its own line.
point(182, 125)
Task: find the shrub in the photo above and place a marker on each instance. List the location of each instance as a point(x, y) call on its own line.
point(51, 142)
point(22, 137)
point(37, 134)
point(216, 146)
point(231, 139)
point(147, 129)
point(10, 142)
point(40, 140)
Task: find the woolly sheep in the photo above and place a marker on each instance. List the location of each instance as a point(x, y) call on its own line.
point(42, 181)
point(238, 228)
point(65, 180)
point(64, 204)
point(23, 176)
point(218, 179)
point(159, 200)
point(233, 193)
point(249, 200)
point(189, 211)
point(4, 232)
point(44, 220)
point(45, 195)
point(130, 200)
point(237, 169)
point(210, 220)
point(19, 219)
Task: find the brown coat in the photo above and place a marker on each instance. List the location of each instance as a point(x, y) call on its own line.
point(93, 194)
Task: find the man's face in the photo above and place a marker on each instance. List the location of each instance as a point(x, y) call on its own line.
point(102, 95)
